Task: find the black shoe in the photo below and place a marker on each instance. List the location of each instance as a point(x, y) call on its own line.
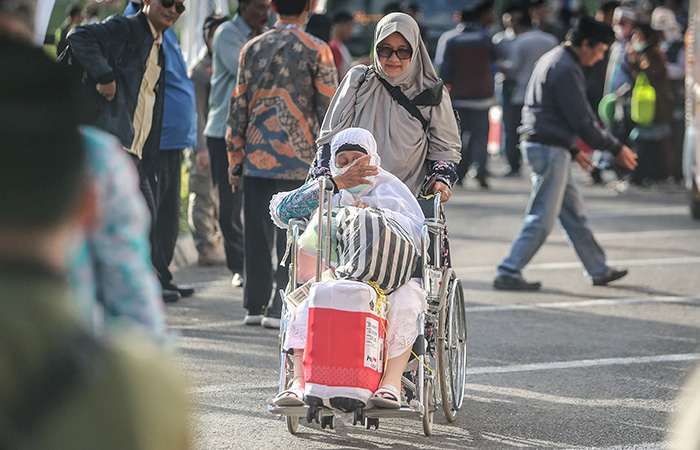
point(483, 183)
point(183, 290)
point(170, 296)
point(611, 274)
point(508, 283)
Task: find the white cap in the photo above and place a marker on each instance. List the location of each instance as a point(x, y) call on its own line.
point(663, 19)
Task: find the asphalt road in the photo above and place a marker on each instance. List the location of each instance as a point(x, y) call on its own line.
point(570, 366)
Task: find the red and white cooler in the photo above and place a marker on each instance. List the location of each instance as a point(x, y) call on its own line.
point(343, 357)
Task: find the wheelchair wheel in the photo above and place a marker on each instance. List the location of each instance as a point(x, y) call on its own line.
point(292, 424)
point(428, 401)
point(452, 349)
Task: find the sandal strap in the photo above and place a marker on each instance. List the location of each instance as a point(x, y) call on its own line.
point(388, 389)
point(295, 391)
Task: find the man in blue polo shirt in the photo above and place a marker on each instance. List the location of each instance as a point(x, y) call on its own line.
point(179, 132)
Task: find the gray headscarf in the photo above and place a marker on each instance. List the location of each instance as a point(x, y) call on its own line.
point(362, 101)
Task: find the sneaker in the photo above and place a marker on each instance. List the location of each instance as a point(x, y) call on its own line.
point(508, 283)
point(271, 322)
point(611, 274)
point(237, 280)
point(253, 319)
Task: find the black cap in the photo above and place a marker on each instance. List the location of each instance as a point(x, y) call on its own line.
point(474, 11)
point(593, 30)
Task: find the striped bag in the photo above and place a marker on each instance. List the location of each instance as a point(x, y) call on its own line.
point(374, 247)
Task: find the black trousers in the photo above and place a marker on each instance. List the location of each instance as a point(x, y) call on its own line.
point(165, 185)
point(261, 236)
point(145, 186)
point(512, 115)
point(230, 205)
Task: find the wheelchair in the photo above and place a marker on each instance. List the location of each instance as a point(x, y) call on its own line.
point(437, 378)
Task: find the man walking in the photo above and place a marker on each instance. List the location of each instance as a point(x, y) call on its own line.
point(525, 50)
point(202, 211)
point(229, 39)
point(467, 59)
point(556, 112)
point(285, 83)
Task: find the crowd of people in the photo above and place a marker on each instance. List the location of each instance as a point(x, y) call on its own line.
point(262, 113)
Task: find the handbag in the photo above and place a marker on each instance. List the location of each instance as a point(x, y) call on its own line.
point(643, 101)
point(373, 247)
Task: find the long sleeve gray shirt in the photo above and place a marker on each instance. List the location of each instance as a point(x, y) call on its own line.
point(524, 51)
point(556, 109)
point(229, 39)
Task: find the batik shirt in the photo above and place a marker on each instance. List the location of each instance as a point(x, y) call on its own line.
point(286, 80)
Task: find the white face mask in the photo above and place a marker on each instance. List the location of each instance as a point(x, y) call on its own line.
point(638, 46)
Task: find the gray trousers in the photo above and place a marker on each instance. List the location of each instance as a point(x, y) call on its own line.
point(201, 212)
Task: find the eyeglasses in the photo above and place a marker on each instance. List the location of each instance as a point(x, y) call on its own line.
point(401, 53)
point(179, 6)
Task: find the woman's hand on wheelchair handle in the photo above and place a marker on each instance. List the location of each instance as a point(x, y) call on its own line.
point(355, 174)
point(444, 190)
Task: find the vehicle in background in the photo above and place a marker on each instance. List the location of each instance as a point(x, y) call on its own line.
point(691, 145)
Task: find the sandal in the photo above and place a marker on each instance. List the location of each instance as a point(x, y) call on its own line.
point(293, 396)
point(386, 402)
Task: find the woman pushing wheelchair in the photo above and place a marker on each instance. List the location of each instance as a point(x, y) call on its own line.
point(360, 182)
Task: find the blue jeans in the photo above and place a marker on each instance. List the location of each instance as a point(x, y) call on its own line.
point(553, 196)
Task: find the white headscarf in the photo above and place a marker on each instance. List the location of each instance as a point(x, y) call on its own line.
point(362, 101)
point(386, 191)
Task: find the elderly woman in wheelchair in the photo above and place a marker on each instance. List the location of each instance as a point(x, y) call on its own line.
point(358, 181)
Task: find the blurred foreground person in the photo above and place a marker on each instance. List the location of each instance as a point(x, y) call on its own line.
point(556, 112)
point(59, 386)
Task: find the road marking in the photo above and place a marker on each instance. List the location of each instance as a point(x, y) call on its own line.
point(583, 363)
point(583, 303)
point(492, 370)
point(640, 446)
point(577, 265)
point(498, 308)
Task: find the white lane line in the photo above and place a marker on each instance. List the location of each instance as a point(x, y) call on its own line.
point(637, 235)
point(222, 324)
point(577, 265)
point(216, 388)
point(640, 446)
point(661, 211)
point(583, 363)
point(583, 303)
point(490, 370)
point(498, 308)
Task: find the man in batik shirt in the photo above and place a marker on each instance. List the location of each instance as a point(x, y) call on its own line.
point(286, 79)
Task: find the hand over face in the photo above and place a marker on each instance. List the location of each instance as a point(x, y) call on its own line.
point(355, 173)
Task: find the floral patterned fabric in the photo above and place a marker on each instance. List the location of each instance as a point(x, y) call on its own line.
point(110, 268)
point(285, 83)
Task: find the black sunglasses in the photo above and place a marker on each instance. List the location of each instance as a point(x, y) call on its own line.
point(401, 53)
point(179, 6)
